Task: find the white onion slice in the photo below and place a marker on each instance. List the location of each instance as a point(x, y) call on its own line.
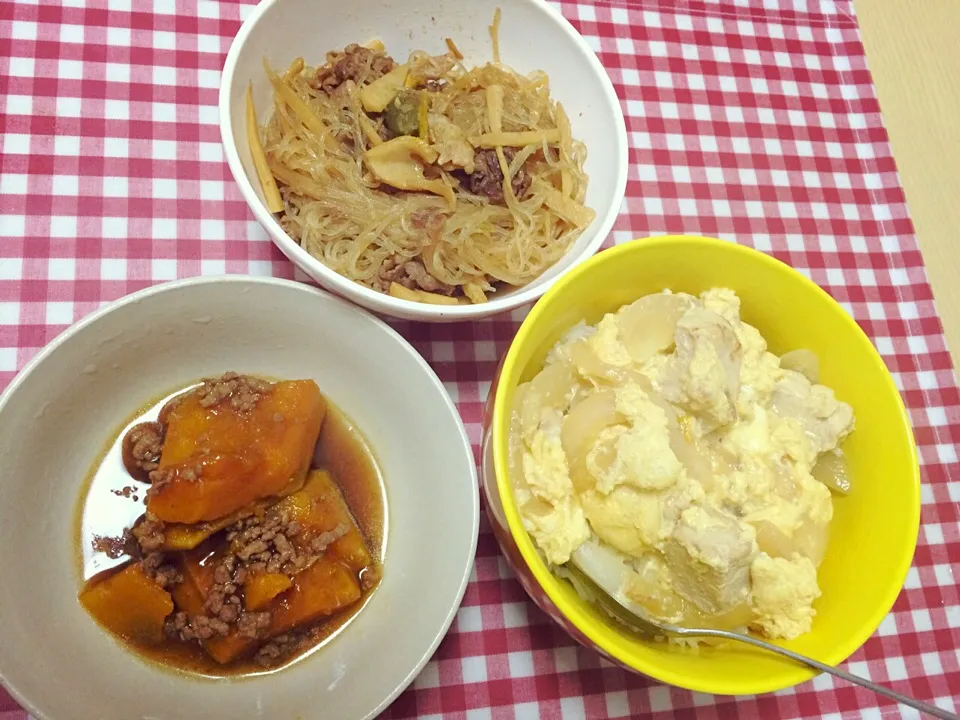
point(549, 389)
point(590, 366)
point(804, 362)
point(647, 326)
point(831, 470)
point(580, 429)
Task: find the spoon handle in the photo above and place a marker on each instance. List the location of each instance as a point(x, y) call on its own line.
point(928, 708)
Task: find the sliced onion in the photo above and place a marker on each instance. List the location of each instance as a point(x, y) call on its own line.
point(647, 326)
point(601, 563)
point(549, 389)
point(831, 470)
point(650, 588)
point(772, 540)
point(811, 540)
point(804, 362)
point(580, 429)
point(590, 366)
point(736, 618)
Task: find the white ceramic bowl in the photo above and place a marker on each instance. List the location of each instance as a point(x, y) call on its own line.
point(66, 404)
point(533, 36)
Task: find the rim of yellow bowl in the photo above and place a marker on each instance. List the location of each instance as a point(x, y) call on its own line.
point(551, 584)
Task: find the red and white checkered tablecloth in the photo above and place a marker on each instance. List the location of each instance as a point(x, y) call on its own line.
point(753, 120)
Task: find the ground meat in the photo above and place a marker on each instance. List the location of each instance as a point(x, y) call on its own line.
point(223, 600)
point(281, 647)
point(487, 179)
point(369, 577)
point(165, 574)
point(175, 625)
point(194, 627)
point(256, 544)
point(242, 391)
point(115, 547)
point(385, 134)
point(321, 542)
point(264, 544)
point(148, 532)
point(356, 63)
point(411, 274)
point(252, 625)
point(222, 609)
point(142, 446)
point(180, 626)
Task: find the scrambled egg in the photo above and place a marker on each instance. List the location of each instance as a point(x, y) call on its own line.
point(669, 433)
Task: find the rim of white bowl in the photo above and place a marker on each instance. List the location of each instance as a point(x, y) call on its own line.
point(174, 285)
point(380, 302)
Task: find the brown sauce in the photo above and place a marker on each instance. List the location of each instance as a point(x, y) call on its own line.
point(113, 500)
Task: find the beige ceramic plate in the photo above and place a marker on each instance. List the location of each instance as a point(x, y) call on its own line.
point(58, 413)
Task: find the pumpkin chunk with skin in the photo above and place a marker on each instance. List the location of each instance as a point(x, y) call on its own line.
point(220, 456)
point(321, 590)
point(320, 509)
point(179, 536)
point(129, 604)
point(325, 587)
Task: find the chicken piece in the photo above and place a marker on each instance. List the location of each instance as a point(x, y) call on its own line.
point(783, 595)
point(759, 368)
point(704, 376)
point(823, 420)
point(449, 140)
point(710, 554)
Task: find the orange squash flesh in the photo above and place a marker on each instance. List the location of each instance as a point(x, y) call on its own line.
point(260, 589)
point(129, 604)
point(326, 587)
point(319, 507)
point(241, 457)
point(179, 536)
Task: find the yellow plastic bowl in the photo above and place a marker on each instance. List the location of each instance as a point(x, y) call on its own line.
point(874, 530)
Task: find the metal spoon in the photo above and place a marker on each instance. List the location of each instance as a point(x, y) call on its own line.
point(629, 614)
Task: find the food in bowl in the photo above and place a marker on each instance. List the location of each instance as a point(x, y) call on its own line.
point(262, 531)
point(667, 446)
point(425, 180)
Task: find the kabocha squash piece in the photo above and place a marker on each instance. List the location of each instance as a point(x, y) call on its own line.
point(319, 507)
point(218, 458)
point(186, 596)
point(261, 588)
point(324, 588)
point(129, 604)
point(321, 590)
point(178, 536)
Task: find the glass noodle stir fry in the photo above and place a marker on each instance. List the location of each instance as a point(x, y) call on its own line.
point(424, 179)
point(667, 450)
